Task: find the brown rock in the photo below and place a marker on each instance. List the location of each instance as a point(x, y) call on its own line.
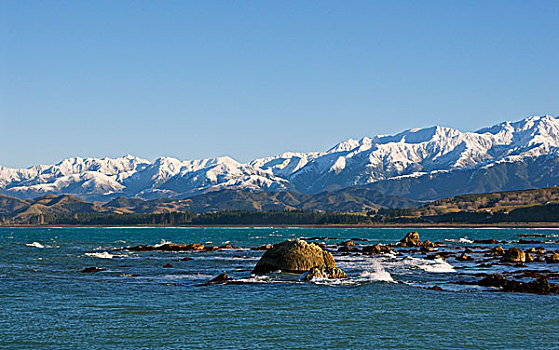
point(464, 257)
point(554, 259)
point(514, 255)
point(263, 247)
point(294, 256)
point(186, 258)
point(323, 272)
point(376, 249)
point(167, 266)
point(498, 251)
point(411, 240)
point(220, 279)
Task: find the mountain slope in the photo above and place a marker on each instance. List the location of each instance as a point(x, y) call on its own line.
point(422, 164)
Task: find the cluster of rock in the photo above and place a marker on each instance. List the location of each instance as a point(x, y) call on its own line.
point(313, 262)
point(173, 247)
point(539, 286)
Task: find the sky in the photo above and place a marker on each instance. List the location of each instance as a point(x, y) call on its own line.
point(247, 79)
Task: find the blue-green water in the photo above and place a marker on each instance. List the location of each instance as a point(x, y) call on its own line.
point(47, 303)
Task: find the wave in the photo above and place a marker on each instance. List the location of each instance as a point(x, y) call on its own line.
point(35, 245)
point(461, 240)
point(100, 255)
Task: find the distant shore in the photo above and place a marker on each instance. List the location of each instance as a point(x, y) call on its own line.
point(520, 225)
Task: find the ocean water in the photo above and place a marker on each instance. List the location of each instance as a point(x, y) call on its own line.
point(47, 303)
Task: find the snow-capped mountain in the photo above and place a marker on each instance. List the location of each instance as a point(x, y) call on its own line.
point(423, 163)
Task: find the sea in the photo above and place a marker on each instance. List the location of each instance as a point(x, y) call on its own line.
point(386, 302)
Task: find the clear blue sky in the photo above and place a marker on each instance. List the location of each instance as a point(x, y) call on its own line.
point(249, 79)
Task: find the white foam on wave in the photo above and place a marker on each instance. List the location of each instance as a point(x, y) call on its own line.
point(35, 245)
point(100, 255)
point(461, 240)
point(379, 274)
point(436, 265)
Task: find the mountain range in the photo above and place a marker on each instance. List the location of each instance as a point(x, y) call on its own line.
point(417, 164)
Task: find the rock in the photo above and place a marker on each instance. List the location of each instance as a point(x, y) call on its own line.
point(486, 241)
point(167, 247)
point(226, 246)
point(554, 259)
point(514, 255)
point(347, 243)
point(528, 257)
point(464, 257)
point(93, 269)
point(210, 248)
point(498, 251)
point(376, 249)
point(186, 258)
point(467, 250)
point(220, 279)
point(167, 266)
point(435, 288)
point(540, 250)
point(539, 286)
point(411, 240)
point(425, 249)
point(294, 256)
point(429, 244)
point(530, 251)
point(323, 272)
point(263, 247)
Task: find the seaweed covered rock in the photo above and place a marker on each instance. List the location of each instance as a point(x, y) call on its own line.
point(294, 256)
point(514, 255)
point(411, 240)
point(323, 272)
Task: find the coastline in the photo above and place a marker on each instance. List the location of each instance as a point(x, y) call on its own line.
point(519, 225)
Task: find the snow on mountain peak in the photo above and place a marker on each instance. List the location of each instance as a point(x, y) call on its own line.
point(351, 162)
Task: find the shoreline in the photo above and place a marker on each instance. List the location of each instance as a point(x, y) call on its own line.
point(519, 225)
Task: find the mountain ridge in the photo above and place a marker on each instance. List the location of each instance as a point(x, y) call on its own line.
point(399, 164)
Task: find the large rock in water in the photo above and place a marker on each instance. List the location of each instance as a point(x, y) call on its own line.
point(515, 255)
point(294, 256)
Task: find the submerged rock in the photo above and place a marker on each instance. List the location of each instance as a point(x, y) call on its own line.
point(323, 272)
point(514, 255)
point(220, 279)
point(464, 257)
point(411, 240)
point(93, 269)
point(294, 256)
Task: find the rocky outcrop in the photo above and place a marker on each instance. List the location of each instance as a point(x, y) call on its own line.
point(295, 256)
point(377, 249)
point(539, 286)
point(170, 247)
point(411, 240)
point(319, 272)
point(514, 255)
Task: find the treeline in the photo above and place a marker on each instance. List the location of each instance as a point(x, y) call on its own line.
point(242, 217)
point(536, 213)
